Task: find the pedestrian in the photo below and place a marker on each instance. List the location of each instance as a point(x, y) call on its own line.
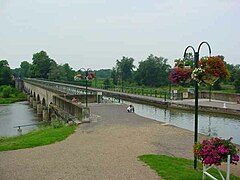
point(130, 108)
point(74, 99)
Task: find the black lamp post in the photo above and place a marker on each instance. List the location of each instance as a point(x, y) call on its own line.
point(196, 58)
point(86, 82)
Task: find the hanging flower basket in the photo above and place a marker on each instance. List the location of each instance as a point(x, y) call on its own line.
point(179, 76)
point(78, 77)
point(209, 79)
point(210, 70)
point(181, 73)
point(91, 76)
point(214, 151)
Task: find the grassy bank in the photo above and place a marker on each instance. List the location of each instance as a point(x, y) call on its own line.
point(43, 136)
point(10, 95)
point(172, 168)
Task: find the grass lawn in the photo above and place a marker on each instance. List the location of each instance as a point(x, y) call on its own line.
point(43, 136)
point(172, 168)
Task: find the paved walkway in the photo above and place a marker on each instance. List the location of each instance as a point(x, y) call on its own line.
point(107, 148)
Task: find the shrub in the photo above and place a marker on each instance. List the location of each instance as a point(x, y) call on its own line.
point(6, 92)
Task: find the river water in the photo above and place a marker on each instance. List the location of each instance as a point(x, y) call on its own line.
point(209, 124)
point(15, 114)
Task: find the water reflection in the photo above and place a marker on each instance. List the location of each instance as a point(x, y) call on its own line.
point(15, 114)
point(209, 124)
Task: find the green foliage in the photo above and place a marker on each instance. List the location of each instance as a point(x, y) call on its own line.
point(237, 81)
point(40, 137)
point(173, 168)
point(5, 73)
point(154, 71)
point(10, 95)
point(41, 65)
point(124, 68)
point(25, 69)
point(6, 92)
point(106, 83)
point(57, 124)
point(114, 76)
point(103, 73)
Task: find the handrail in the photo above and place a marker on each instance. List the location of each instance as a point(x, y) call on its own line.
point(19, 126)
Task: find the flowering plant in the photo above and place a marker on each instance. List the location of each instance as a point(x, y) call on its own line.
point(210, 70)
point(214, 151)
point(90, 76)
point(180, 75)
point(198, 74)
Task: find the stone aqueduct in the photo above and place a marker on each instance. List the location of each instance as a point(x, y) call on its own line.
point(42, 98)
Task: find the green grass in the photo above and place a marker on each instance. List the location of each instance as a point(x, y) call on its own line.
point(40, 137)
point(172, 168)
point(11, 100)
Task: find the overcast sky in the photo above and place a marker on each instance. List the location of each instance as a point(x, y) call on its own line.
point(94, 33)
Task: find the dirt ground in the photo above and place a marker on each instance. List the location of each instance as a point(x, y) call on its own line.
point(106, 148)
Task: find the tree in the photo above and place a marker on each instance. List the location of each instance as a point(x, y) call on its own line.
point(41, 65)
point(124, 69)
point(114, 76)
point(56, 72)
point(154, 71)
point(25, 69)
point(69, 73)
point(5, 73)
point(237, 81)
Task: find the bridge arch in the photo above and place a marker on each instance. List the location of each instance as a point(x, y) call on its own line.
point(43, 102)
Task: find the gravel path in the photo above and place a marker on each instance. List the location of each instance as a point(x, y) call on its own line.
point(106, 148)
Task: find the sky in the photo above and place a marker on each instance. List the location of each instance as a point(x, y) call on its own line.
point(95, 33)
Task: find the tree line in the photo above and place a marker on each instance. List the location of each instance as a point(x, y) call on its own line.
point(152, 72)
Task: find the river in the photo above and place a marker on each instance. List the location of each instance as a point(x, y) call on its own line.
point(15, 114)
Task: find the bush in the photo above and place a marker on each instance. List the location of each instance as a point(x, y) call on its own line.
point(6, 92)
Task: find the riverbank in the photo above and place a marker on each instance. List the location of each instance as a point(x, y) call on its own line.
point(10, 95)
point(106, 148)
point(57, 131)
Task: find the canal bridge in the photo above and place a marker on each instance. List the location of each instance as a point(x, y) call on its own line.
point(44, 95)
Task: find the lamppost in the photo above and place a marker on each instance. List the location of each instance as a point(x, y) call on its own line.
point(86, 77)
point(196, 58)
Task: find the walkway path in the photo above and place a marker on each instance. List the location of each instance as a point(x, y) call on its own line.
point(107, 148)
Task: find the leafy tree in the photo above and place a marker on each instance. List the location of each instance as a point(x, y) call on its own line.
point(237, 81)
point(25, 69)
point(114, 76)
point(17, 73)
point(69, 73)
point(124, 69)
point(41, 65)
point(154, 71)
point(5, 73)
point(6, 92)
point(56, 72)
